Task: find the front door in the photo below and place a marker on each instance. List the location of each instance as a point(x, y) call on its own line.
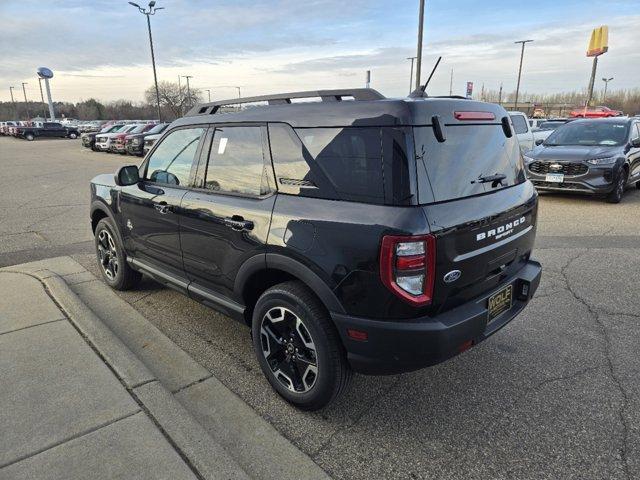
point(151, 209)
point(227, 221)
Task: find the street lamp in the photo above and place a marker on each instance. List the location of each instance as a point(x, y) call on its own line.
point(26, 103)
point(411, 74)
point(148, 12)
point(606, 84)
point(523, 42)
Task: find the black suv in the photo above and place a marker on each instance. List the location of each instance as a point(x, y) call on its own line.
point(596, 156)
point(354, 233)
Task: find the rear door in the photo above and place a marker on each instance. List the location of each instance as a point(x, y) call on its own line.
point(151, 209)
point(226, 221)
point(483, 229)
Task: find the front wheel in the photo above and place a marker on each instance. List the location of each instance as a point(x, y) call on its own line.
point(298, 347)
point(115, 270)
point(616, 194)
point(30, 137)
point(73, 136)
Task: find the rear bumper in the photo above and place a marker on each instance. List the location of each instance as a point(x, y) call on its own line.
point(402, 346)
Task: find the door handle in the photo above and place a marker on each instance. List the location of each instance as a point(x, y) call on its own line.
point(238, 223)
point(163, 208)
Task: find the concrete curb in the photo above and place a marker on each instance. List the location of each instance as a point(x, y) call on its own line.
point(211, 426)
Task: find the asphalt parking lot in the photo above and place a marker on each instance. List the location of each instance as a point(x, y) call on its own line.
point(556, 394)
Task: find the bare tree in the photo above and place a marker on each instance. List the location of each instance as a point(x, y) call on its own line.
point(174, 99)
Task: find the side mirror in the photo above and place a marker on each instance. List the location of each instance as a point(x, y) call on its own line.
point(127, 175)
point(539, 141)
point(635, 143)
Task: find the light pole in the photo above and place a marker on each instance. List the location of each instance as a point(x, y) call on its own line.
point(419, 54)
point(451, 84)
point(239, 96)
point(44, 108)
point(151, 11)
point(209, 94)
point(523, 42)
point(15, 107)
point(188, 88)
point(606, 84)
point(411, 74)
point(26, 103)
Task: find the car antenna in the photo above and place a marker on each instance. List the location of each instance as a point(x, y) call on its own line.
point(420, 92)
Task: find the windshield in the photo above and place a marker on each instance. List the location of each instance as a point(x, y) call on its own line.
point(157, 129)
point(138, 129)
point(550, 125)
point(589, 133)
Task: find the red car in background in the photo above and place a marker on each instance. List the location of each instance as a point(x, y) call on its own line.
point(119, 141)
point(595, 112)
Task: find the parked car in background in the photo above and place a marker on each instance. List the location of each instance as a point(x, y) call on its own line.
point(134, 142)
point(595, 112)
point(118, 142)
point(5, 126)
point(149, 141)
point(534, 122)
point(103, 140)
point(47, 130)
point(546, 128)
point(596, 156)
point(523, 130)
point(89, 139)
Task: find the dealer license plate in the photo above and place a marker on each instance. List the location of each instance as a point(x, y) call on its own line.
point(500, 302)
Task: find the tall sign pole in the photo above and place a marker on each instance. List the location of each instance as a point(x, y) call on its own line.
point(419, 54)
point(411, 74)
point(46, 74)
point(598, 44)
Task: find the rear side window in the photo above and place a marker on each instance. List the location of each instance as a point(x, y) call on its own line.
point(333, 163)
point(171, 162)
point(519, 123)
point(453, 169)
point(237, 162)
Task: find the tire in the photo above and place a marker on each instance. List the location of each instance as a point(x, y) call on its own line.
point(291, 327)
point(30, 137)
point(111, 257)
point(618, 191)
point(638, 185)
point(73, 135)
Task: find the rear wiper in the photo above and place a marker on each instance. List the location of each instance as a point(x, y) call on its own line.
point(494, 179)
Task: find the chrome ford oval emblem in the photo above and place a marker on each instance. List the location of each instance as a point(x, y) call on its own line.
point(452, 276)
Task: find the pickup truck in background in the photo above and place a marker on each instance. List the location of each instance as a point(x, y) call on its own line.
point(523, 131)
point(48, 130)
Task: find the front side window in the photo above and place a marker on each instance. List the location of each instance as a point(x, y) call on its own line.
point(171, 162)
point(237, 162)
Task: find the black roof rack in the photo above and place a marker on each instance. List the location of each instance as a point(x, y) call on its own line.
point(359, 94)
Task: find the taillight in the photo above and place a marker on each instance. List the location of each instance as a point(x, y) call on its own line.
point(407, 267)
point(474, 116)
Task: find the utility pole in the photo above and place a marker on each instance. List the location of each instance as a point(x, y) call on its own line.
point(151, 11)
point(26, 103)
point(606, 83)
point(451, 83)
point(411, 74)
point(44, 108)
point(188, 88)
point(15, 107)
point(523, 42)
point(209, 94)
point(500, 95)
point(419, 54)
point(367, 83)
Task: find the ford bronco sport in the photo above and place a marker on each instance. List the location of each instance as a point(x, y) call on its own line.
point(354, 233)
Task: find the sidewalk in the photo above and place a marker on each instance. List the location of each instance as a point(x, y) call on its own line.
point(90, 390)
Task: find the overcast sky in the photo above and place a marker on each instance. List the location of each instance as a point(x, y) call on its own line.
point(100, 49)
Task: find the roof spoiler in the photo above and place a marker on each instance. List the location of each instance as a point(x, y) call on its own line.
point(358, 94)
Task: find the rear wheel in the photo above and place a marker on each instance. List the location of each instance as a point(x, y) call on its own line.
point(30, 137)
point(73, 135)
point(298, 347)
point(112, 258)
point(618, 191)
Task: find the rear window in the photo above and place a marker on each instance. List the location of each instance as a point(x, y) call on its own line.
point(453, 169)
